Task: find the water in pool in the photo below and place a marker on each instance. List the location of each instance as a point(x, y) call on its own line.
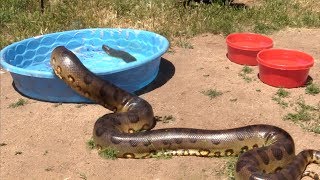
point(95, 59)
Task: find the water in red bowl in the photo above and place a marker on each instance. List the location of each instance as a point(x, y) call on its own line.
point(244, 47)
point(283, 67)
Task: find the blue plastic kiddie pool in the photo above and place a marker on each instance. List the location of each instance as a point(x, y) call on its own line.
point(28, 61)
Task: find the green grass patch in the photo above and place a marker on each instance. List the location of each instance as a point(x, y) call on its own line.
point(244, 73)
point(299, 115)
point(91, 144)
point(247, 70)
point(315, 128)
point(20, 102)
point(279, 95)
point(212, 93)
point(282, 93)
point(108, 153)
point(312, 89)
point(165, 119)
point(162, 155)
point(306, 116)
point(303, 112)
point(231, 167)
point(23, 19)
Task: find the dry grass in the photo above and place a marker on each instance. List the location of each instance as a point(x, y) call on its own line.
point(23, 19)
point(314, 5)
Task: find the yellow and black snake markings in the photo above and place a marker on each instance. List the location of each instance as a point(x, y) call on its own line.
point(266, 152)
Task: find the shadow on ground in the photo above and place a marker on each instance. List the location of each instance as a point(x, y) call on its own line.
point(166, 72)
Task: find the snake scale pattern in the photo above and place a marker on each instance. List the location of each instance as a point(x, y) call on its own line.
point(265, 152)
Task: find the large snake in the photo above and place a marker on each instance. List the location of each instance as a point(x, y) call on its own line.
point(266, 152)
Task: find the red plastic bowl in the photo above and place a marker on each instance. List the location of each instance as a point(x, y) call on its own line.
point(283, 67)
point(244, 47)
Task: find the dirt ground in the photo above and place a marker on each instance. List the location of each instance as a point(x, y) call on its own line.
point(42, 140)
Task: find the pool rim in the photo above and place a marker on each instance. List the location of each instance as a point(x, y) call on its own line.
point(234, 45)
point(264, 62)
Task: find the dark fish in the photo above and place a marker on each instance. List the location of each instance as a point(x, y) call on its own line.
point(119, 54)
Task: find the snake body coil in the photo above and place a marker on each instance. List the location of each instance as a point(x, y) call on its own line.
point(266, 152)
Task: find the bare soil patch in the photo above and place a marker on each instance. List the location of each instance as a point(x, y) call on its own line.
point(42, 140)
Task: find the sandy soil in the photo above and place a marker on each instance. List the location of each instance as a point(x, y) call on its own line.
point(42, 140)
